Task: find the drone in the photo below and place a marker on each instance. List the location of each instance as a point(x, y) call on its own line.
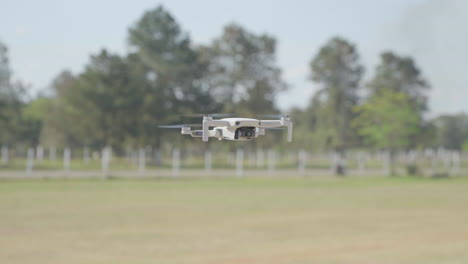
point(234, 128)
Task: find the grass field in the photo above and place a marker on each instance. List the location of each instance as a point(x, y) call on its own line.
point(235, 220)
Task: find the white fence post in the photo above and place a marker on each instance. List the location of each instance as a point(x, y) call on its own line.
point(434, 163)
point(128, 153)
point(446, 158)
point(141, 161)
point(66, 159)
point(208, 162)
point(301, 157)
point(260, 158)
point(252, 159)
point(240, 162)
point(157, 157)
point(105, 159)
point(271, 162)
point(175, 162)
point(30, 161)
point(455, 163)
point(4, 155)
point(39, 153)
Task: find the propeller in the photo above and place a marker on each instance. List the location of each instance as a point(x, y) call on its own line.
point(180, 126)
point(275, 128)
point(274, 116)
point(211, 115)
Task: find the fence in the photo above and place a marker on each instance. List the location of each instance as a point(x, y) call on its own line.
point(17, 162)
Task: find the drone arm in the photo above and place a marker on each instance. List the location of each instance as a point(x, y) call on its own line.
point(270, 123)
point(206, 127)
point(284, 122)
point(259, 131)
point(207, 123)
point(186, 131)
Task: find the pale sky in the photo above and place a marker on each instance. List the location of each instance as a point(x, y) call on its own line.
point(45, 37)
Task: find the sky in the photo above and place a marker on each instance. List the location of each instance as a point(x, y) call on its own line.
point(46, 37)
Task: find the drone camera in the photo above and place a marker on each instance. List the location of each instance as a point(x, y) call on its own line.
point(245, 133)
point(197, 133)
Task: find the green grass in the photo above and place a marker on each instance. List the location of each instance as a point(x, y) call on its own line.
point(235, 220)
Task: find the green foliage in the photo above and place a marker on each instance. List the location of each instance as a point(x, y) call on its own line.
point(120, 99)
point(243, 74)
point(33, 115)
point(387, 120)
point(465, 146)
point(337, 71)
point(5, 72)
point(11, 95)
point(400, 74)
point(36, 109)
point(452, 131)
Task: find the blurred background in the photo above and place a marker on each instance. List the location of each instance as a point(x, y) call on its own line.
point(377, 80)
point(376, 89)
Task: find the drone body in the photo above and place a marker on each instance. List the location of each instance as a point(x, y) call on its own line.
point(235, 129)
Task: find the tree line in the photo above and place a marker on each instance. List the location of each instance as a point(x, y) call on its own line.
point(119, 100)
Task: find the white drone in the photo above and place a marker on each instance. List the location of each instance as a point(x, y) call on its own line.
point(234, 128)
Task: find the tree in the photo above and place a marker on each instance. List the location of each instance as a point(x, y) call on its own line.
point(11, 95)
point(112, 101)
point(5, 72)
point(243, 75)
point(171, 69)
point(63, 115)
point(32, 120)
point(388, 120)
point(98, 107)
point(452, 131)
point(5, 97)
point(336, 69)
point(400, 74)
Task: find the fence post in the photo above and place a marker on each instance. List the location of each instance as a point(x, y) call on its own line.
point(4, 155)
point(30, 161)
point(39, 153)
point(208, 162)
point(455, 163)
point(434, 163)
point(141, 161)
point(271, 162)
point(240, 162)
point(446, 159)
point(157, 157)
point(302, 157)
point(260, 158)
point(175, 162)
point(66, 159)
point(105, 159)
point(252, 159)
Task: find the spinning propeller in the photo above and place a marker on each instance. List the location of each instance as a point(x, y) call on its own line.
point(274, 116)
point(180, 126)
point(211, 115)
